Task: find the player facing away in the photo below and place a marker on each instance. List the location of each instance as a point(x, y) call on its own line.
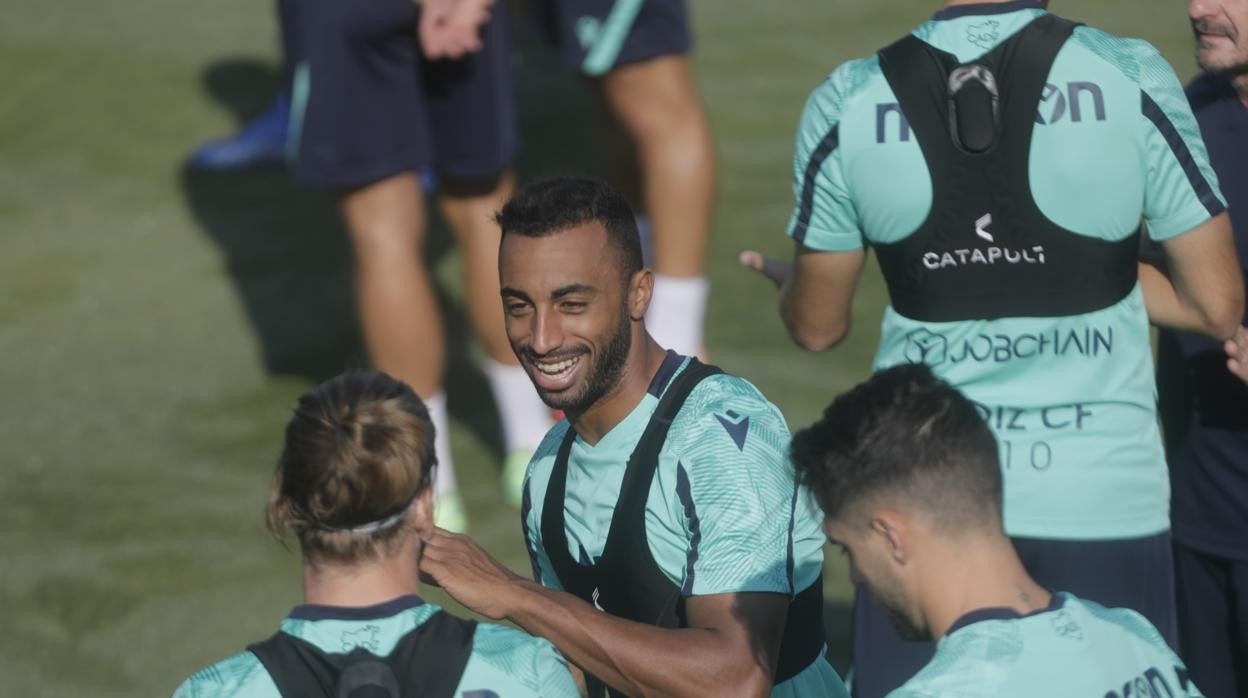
point(672, 552)
point(381, 92)
point(906, 471)
point(999, 160)
point(636, 56)
point(353, 486)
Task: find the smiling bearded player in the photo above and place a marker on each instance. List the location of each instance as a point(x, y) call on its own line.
point(671, 550)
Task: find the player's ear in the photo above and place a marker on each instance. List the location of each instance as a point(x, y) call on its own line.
point(640, 290)
point(891, 527)
point(421, 515)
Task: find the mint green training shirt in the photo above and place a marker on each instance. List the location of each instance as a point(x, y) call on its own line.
point(1072, 648)
point(1070, 399)
point(723, 515)
point(505, 663)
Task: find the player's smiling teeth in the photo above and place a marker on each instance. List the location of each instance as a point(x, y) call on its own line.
point(559, 368)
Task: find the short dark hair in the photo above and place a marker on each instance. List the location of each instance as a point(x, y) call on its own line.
point(903, 431)
point(359, 449)
point(553, 205)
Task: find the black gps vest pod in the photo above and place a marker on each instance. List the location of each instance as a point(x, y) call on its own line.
point(427, 663)
point(986, 251)
point(626, 581)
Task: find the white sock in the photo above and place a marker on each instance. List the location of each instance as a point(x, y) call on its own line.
point(677, 312)
point(444, 477)
point(524, 417)
point(644, 232)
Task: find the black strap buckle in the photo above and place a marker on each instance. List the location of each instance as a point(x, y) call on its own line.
point(974, 108)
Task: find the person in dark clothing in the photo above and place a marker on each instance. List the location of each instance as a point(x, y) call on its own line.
point(1204, 411)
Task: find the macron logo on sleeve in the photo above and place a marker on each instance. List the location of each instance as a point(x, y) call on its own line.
point(738, 427)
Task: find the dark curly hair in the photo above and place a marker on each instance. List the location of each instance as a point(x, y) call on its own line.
point(904, 432)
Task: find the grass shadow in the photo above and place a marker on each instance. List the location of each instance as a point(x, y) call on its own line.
point(284, 246)
point(288, 256)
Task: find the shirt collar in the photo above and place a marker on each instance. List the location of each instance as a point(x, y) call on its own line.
point(642, 411)
point(986, 8)
point(671, 363)
point(386, 609)
point(981, 614)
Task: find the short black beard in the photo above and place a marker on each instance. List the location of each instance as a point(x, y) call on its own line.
point(606, 372)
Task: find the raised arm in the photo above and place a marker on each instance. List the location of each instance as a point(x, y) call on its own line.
point(816, 292)
point(816, 300)
point(1199, 288)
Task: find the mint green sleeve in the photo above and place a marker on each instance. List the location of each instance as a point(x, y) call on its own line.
point(1181, 190)
point(736, 488)
point(510, 663)
point(553, 676)
point(824, 217)
point(240, 676)
point(1164, 659)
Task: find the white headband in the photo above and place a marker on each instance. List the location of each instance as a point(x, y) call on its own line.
point(373, 527)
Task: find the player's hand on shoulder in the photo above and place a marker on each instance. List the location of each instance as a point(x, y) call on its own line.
point(1237, 354)
point(775, 270)
point(451, 29)
point(470, 575)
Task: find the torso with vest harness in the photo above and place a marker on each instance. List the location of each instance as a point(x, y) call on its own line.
point(399, 649)
point(1000, 162)
point(732, 497)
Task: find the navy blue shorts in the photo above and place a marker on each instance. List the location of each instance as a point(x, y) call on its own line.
point(595, 36)
point(366, 105)
point(1212, 596)
point(1136, 573)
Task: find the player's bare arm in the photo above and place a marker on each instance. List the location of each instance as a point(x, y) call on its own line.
point(816, 292)
point(1201, 289)
point(729, 649)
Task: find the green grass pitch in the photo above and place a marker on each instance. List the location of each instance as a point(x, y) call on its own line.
point(156, 325)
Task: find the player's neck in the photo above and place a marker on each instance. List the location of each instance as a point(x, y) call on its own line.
point(976, 574)
point(366, 584)
point(644, 359)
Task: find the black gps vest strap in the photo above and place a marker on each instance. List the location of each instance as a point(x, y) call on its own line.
point(626, 581)
point(986, 251)
point(649, 597)
point(805, 638)
point(428, 662)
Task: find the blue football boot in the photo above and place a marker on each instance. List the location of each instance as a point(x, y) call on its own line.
point(260, 142)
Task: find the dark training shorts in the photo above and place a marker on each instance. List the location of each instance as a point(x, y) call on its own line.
point(1136, 573)
point(595, 36)
point(367, 105)
point(1213, 620)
